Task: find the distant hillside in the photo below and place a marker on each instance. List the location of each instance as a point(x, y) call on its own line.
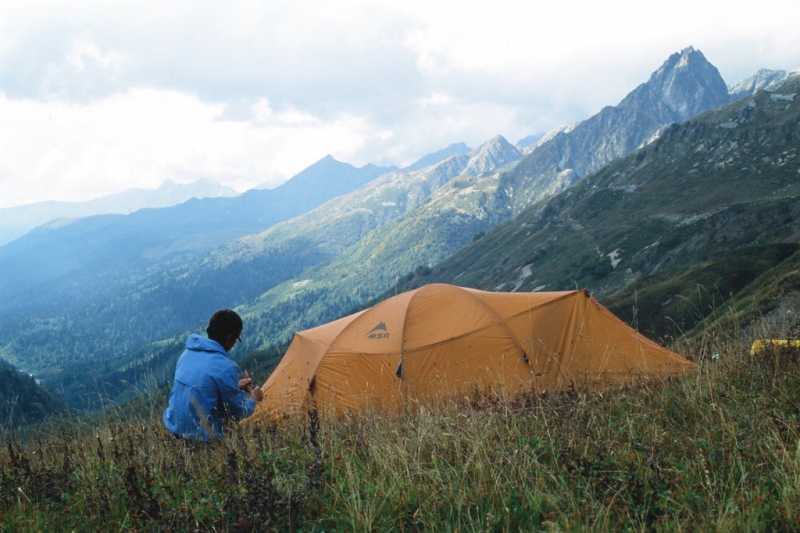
point(65, 264)
point(528, 141)
point(104, 286)
point(17, 221)
point(22, 401)
point(438, 156)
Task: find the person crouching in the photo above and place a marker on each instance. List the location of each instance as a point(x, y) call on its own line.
point(207, 389)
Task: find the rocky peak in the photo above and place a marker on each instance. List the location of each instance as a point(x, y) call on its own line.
point(762, 79)
point(684, 86)
point(491, 155)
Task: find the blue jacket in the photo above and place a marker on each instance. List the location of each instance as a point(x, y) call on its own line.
point(206, 388)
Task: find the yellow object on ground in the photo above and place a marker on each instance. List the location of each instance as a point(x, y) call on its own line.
point(762, 344)
point(444, 342)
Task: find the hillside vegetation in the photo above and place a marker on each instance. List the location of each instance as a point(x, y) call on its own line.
point(23, 401)
point(91, 292)
point(715, 451)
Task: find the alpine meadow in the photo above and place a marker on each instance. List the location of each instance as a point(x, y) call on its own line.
point(677, 209)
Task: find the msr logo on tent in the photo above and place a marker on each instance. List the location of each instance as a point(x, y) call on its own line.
point(379, 332)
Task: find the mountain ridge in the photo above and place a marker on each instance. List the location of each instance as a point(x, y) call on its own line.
point(437, 157)
point(64, 259)
point(18, 220)
point(761, 80)
point(724, 182)
point(468, 206)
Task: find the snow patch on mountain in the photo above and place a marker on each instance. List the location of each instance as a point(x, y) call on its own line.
point(527, 271)
point(783, 97)
point(764, 79)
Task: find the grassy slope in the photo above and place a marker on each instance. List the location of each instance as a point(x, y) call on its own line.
point(672, 303)
point(768, 296)
point(715, 451)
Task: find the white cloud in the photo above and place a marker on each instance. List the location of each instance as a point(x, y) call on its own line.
point(97, 97)
point(434, 99)
point(72, 151)
point(262, 111)
point(83, 49)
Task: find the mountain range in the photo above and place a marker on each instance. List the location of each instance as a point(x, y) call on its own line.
point(17, 221)
point(74, 262)
point(764, 79)
point(707, 209)
point(482, 197)
point(620, 203)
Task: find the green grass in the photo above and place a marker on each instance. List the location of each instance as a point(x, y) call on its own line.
point(716, 451)
point(673, 302)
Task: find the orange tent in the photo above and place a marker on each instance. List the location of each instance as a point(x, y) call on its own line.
point(442, 341)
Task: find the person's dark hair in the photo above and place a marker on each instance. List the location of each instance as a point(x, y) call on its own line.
point(222, 324)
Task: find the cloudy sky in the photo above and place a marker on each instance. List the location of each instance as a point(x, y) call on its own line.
point(101, 96)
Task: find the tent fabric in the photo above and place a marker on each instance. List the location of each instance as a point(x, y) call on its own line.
point(443, 342)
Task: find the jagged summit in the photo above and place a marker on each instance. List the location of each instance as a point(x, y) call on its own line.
point(763, 79)
point(685, 85)
point(491, 155)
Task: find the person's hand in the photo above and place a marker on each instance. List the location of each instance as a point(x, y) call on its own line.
point(246, 384)
point(256, 394)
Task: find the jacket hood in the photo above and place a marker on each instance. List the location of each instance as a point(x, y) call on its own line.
point(198, 343)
